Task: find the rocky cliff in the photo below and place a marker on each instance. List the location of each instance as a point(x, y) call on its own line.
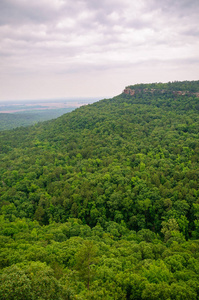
point(132, 92)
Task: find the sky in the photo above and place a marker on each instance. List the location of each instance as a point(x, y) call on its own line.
point(94, 48)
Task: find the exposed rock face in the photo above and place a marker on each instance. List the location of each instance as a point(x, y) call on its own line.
point(181, 93)
point(131, 92)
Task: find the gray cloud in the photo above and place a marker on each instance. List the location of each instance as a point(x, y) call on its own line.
point(19, 12)
point(66, 37)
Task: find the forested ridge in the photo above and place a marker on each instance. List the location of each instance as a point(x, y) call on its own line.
point(103, 202)
point(13, 120)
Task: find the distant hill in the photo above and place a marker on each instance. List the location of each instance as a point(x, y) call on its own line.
point(27, 118)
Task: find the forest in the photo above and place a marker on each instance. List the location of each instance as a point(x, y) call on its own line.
point(25, 118)
point(103, 202)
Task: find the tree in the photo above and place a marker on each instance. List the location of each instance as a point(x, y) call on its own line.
point(169, 228)
point(15, 284)
point(154, 291)
point(86, 258)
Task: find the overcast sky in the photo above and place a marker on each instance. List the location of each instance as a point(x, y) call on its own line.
point(70, 48)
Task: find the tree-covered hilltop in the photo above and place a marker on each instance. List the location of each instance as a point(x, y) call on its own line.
point(103, 202)
point(191, 86)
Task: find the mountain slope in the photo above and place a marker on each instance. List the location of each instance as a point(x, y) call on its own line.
point(103, 202)
point(130, 159)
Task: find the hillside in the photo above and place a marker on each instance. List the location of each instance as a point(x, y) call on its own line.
point(13, 120)
point(116, 181)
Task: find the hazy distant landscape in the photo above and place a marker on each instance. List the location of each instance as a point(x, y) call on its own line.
point(13, 106)
point(24, 113)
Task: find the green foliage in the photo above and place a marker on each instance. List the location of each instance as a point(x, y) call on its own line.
point(47, 262)
point(85, 261)
point(102, 203)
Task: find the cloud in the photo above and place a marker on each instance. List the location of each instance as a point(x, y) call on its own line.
point(66, 37)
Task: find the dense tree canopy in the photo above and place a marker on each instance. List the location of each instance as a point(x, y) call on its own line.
point(103, 202)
